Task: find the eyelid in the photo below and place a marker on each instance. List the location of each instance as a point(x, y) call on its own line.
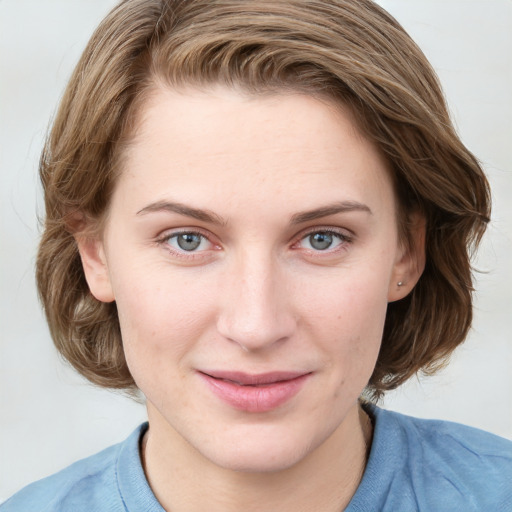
point(166, 235)
point(342, 232)
point(346, 237)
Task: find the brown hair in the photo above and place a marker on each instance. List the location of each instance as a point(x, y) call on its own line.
point(349, 50)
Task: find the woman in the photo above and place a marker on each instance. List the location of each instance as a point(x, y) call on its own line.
point(258, 213)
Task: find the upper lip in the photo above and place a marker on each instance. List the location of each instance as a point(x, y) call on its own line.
point(249, 379)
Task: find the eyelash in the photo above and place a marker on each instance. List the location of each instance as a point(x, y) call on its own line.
point(188, 255)
point(343, 237)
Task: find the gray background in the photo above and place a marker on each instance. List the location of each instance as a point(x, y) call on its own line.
point(49, 416)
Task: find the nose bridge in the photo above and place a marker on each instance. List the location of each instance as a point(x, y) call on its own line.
point(255, 311)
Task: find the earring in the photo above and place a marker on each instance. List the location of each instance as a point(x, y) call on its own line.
point(400, 283)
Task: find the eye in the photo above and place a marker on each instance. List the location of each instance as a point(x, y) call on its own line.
point(188, 242)
point(322, 240)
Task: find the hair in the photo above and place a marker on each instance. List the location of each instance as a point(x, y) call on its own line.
point(351, 51)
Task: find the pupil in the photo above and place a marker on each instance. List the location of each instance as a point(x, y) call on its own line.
point(320, 241)
point(189, 241)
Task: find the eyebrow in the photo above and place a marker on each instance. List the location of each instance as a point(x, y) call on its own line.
point(213, 218)
point(332, 209)
point(182, 209)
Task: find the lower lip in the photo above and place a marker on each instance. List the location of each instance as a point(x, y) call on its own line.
point(262, 398)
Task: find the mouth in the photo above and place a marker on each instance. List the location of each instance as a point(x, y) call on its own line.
point(254, 392)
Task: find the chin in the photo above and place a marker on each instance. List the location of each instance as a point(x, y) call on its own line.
point(247, 461)
point(267, 452)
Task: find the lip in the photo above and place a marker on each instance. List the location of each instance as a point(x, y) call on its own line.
point(254, 392)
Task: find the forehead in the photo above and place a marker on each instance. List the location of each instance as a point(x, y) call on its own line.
point(212, 143)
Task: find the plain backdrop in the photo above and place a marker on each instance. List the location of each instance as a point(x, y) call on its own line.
point(49, 416)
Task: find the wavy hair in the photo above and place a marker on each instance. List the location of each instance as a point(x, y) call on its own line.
point(351, 51)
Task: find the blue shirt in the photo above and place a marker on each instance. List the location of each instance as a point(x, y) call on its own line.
point(414, 465)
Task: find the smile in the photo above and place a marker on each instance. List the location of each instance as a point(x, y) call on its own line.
point(254, 393)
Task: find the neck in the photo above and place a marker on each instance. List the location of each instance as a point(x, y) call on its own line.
point(326, 479)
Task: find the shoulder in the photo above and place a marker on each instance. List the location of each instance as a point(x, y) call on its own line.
point(89, 484)
point(438, 465)
point(70, 489)
point(448, 445)
point(462, 463)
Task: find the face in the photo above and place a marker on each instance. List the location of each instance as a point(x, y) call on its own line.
point(251, 248)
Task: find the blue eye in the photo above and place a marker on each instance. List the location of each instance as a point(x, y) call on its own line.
point(188, 242)
point(322, 240)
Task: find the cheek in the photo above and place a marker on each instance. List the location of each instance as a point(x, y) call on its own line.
point(161, 318)
point(349, 305)
point(346, 321)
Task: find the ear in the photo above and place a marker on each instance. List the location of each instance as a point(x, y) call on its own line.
point(94, 263)
point(410, 261)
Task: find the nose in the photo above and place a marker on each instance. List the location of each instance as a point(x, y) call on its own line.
point(256, 311)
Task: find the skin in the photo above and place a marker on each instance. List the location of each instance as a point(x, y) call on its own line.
point(255, 296)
